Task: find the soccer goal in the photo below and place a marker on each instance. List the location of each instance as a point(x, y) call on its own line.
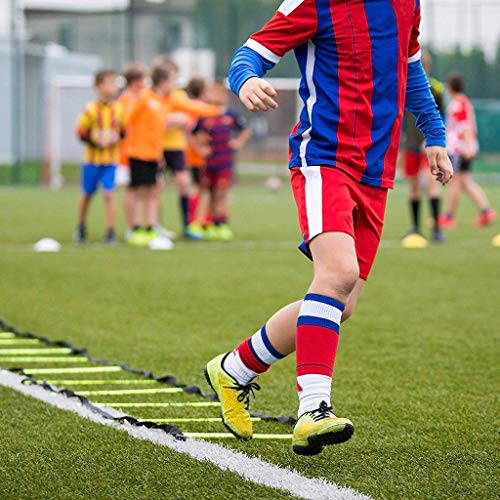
point(67, 97)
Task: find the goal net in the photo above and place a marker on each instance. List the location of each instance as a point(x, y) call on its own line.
point(266, 153)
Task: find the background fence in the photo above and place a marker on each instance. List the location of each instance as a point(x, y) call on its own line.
point(39, 46)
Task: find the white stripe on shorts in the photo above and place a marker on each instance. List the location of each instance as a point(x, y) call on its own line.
point(314, 199)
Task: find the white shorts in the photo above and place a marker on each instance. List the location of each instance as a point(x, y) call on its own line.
point(122, 176)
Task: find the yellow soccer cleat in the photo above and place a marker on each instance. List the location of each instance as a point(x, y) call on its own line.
point(318, 428)
point(234, 398)
point(413, 241)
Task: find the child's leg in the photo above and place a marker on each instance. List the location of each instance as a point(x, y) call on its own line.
point(156, 197)
point(414, 200)
point(138, 196)
point(220, 205)
point(182, 179)
point(110, 207)
point(476, 194)
point(108, 180)
point(434, 193)
point(83, 208)
point(455, 187)
point(129, 206)
point(151, 205)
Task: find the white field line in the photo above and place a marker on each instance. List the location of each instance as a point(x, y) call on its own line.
point(263, 245)
point(251, 469)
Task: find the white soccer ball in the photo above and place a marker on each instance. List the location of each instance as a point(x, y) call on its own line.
point(274, 183)
point(47, 245)
point(161, 243)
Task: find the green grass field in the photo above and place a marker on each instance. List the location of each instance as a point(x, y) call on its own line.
point(417, 369)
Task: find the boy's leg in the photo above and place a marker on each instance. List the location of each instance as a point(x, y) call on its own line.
point(108, 180)
point(89, 180)
point(434, 194)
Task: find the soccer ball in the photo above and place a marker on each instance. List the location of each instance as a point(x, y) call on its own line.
point(274, 183)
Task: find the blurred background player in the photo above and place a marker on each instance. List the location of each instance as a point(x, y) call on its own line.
point(196, 89)
point(145, 130)
point(218, 139)
point(463, 146)
point(135, 81)
point(180, 107)
point(101, 126)
point(416, 163)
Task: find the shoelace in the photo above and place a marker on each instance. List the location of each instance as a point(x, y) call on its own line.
point(324, 411)
point(245, 391)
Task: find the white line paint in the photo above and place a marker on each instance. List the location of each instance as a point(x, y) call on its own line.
point(249, 468)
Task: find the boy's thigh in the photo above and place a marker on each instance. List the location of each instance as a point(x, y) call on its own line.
point(107, 177)
point(329, 200)
point(90, 178)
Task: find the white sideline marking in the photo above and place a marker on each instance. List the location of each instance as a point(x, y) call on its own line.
point(249, 468)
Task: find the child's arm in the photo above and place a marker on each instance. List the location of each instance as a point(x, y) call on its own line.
point(83, 130)
point(244, 133)
point(196, 107)
point(293, 24)
point(199, 140)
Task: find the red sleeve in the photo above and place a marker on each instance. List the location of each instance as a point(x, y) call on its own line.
point(295, 22)
point(414, 47)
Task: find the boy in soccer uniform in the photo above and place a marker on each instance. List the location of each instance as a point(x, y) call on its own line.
point(135, 77)
point(179, 107)
point(415, 163)
point(219, 143)
point(463, 147)
point(101, 127)
point(360, 61)
point(145, 131)
point(195, 89)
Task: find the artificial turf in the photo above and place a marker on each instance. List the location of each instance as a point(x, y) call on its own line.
point(416, 371)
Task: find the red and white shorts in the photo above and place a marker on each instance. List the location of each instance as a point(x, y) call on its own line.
point(414, 162)
point(328, 199)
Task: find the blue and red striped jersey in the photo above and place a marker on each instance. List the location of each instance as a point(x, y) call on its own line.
point(353, 56)
point(220, 131)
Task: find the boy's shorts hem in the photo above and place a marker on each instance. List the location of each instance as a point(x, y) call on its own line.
point(460, 164)
point(142, 172)
point(329, 200)
point(175, 160)
point(93, 175)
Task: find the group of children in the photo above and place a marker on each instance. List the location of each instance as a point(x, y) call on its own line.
point(154, 127)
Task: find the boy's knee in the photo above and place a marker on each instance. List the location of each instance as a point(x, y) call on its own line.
point(341, 281)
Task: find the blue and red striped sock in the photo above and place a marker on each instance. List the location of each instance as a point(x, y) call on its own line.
point(251, 358)
point(318, 329)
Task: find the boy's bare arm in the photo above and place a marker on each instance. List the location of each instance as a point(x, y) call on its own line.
point(239, 142)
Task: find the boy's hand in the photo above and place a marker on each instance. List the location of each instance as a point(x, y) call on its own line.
point(257, 94)
point(177, 120)
point(440, 164)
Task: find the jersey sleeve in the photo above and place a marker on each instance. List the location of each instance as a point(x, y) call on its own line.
point(193, 106)
point(414, 52)
point(294, 23)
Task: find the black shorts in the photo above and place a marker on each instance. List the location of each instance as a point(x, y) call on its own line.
point(175, 160)
point(196, 174)
point(460, 164)
point(142, 173)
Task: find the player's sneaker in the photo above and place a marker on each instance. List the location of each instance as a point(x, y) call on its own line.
point(211, 232)
point(224, 233)
point(194, 231)
point(438, 236)
point(447, 221)
point(139, 238)
point(165, 233)
point(110, 238)
point(81, 234)
point(485, 218)
point(234, 398)
point(318, 428)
